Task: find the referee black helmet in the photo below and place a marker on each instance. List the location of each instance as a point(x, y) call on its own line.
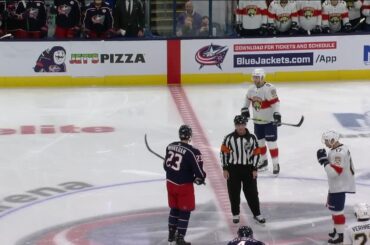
point(240, 119)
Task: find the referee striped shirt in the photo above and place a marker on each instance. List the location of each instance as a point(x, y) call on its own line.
point(239, 150)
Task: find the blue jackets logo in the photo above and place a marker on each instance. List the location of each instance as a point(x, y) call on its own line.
point(367, 54)
point(211, 55)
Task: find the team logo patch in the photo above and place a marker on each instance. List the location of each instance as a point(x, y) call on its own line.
point(308, 13)
point(252, 12)
point(335, 19)
point(211, 55)
point(338, 160)
point(257, 103)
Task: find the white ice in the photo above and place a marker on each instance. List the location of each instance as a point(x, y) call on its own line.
point(125, 178)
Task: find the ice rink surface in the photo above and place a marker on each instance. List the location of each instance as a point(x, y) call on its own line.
point(74, 169)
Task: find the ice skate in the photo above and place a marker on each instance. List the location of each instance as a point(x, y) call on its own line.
point(259, 219)
point(276, 169)
point(336, 240)
point(180, 241)
point(236, 219)
point(333, 233)
point(172, 232)
point(262, 166)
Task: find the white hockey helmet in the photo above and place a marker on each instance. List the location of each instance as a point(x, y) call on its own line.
point(330, 136)
point(259, 72)
point(362, 211)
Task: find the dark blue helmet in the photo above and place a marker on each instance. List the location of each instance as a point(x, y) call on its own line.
point(185, 132)
point(245, 231)
point(240, 119)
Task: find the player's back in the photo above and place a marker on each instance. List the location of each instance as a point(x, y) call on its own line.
point(183, 162)
point(245, 241)
point(357, 234)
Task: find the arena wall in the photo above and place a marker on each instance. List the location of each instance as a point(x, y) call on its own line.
point(196, 61)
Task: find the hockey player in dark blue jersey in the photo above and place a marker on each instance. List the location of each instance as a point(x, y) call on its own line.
point(245, 237)
point(184, 166)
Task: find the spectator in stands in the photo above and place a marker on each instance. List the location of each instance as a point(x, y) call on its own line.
point(204, 27)
point(366, 13)
point(27, 19)
point(188, 28)
point(98, 21)
point(68, 18)
point(251, 18)
point(129, 18)
point(354, 12)
point(189, 12)
point(335, 17)
point(283, 18)
point(309, 16)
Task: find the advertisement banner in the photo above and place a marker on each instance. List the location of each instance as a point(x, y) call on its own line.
point(83, 59)
point(319, 53)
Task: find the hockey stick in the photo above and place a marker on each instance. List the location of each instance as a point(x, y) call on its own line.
point(149, 149)
point(354, 28)
point(283, 123)
point(6, 36)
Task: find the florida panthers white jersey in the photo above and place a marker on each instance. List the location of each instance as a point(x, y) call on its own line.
point(340, 170)
point(264, 101)
point(252, 13)
point(282, 16)
point(354, 9)
point(357, 234)
point(334, 16)
point(366, 10)
point(309, 12)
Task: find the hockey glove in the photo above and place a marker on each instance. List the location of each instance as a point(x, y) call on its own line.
point(199, 181)
point(322, 157)
point(245, 113)
point(263, 30)
point(325, 29)
point(316, 30)
point(294, 29)
point(347, 27)
point(272, 30)
point(277, 118)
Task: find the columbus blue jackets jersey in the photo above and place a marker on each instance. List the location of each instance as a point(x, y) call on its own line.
point(245, 241)
point(183, 163)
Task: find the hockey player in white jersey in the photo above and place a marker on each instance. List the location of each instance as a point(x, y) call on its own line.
point(354, 11)
point(335, 16)
point(341, 178)
point(283, 17)
point(266, 116)
point(358, 233)
point(366, 13)
point(309, 16)
point(251, 17)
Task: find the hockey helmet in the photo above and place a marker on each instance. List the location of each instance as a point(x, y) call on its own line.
point(185, 132)
point(258, 72)
point(245, 231)
point(330, 136)
point(240, 119)
point(362, 211)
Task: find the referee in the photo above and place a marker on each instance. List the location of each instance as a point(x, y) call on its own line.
point(239, 157)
